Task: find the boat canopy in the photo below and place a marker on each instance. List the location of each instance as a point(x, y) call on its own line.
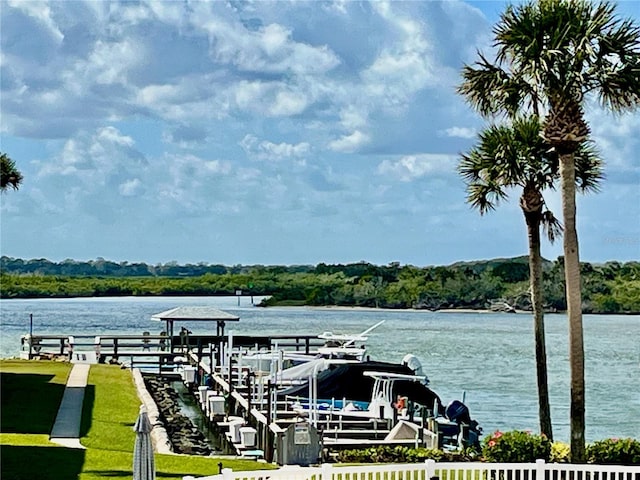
point(195, 314)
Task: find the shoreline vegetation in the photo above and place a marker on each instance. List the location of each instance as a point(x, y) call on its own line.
point(487, 285)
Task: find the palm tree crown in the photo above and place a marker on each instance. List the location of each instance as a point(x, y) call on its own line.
point(10, 176)
point(516, 155)
point(554, 53)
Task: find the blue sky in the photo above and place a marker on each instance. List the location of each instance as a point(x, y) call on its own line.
point(283, 132)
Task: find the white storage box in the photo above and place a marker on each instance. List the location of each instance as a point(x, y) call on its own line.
point(202, 394)
point(234, 430)
point(216, 404)
point(248, 436)
point(189, 374)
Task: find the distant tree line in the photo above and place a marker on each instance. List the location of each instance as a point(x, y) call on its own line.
point(612, 287)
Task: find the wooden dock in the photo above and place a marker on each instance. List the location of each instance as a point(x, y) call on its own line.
point(232, 398)
point(155, 352)
point(239, 402)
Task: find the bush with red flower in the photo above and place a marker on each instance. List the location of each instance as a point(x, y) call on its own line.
point(515, 446)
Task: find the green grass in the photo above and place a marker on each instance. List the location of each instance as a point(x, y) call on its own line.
point(110, 409)
point(31, 394)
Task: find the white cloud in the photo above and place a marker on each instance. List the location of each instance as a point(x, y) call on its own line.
point(268, 49)
point(131, 187)
point(288, 103)
point(110, 62)
point(411, 167)
point(272, 151)
point(96, 160)
point(189, 170)
point(349, 143)
point(41, 12)
point(113, 136)
point(405, 66)
point(352, 118)
point(459, 132)
point(617, 140)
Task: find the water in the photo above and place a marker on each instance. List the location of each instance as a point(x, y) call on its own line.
point(190, 408)
point(490, 356)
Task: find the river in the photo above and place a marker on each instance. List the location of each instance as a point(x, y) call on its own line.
point(488, 356)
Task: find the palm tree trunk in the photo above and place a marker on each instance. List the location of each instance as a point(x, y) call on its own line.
point(574, 307)
point(535, 279)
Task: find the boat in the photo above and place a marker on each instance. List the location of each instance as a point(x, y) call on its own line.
point(285, 368)
point(340, 382)
point(383, 391)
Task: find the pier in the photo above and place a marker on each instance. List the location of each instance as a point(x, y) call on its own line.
point(240, 383)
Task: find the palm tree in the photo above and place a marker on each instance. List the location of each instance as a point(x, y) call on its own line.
point(10, 176)
point(556, 53)
point(516, 155)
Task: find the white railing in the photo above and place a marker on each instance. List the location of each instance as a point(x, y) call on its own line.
point(431, 470)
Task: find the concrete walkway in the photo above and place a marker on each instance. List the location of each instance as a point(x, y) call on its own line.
point(66, 429)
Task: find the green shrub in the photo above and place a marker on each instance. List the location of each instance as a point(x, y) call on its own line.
point(614, 451)
point(387, 454)
point(560, 453)
point(516, 446)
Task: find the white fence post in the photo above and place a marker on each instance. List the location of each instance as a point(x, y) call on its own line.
point(227, 474)
point(327, 471)
point(431, 468)
point(541, 466)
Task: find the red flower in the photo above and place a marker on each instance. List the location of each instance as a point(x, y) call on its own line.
point(492, 443)
point(497, 435)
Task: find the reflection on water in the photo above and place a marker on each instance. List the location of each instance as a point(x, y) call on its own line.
point(490, 356)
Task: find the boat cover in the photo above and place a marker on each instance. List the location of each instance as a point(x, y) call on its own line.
point(347, 381)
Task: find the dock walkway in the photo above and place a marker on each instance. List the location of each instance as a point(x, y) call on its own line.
point(66, 429)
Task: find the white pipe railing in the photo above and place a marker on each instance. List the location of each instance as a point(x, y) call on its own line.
point(431, 470)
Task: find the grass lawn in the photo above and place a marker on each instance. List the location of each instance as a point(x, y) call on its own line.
point(31, 392)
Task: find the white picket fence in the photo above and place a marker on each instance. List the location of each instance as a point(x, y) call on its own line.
point(431, 470)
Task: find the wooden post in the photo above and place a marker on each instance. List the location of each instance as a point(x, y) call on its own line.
point(200, 346)
point(268, 446)
point(30, 334)
point(250, 389)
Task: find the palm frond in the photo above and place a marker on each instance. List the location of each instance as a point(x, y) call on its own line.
point(485, 196)
point(589, 168)
point(486, 77)
point(507, 155)
point(551, 226)
point(10, 176)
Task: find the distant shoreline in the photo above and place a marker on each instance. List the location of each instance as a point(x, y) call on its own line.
point(374, 309)
point(443, 310)
point(302, 305)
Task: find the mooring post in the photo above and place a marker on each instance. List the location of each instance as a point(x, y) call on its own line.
point(30, 334)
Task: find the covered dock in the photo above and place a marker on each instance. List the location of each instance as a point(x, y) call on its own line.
point(195, 314)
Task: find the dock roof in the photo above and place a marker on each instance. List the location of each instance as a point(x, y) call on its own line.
point(196, 313)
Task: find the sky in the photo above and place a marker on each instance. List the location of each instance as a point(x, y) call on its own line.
point(268, 132)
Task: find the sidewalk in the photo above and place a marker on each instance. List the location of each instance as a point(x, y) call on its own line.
point(66, 429)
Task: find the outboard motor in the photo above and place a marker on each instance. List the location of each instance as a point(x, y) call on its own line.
point(459, 413)
point(413, 363)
